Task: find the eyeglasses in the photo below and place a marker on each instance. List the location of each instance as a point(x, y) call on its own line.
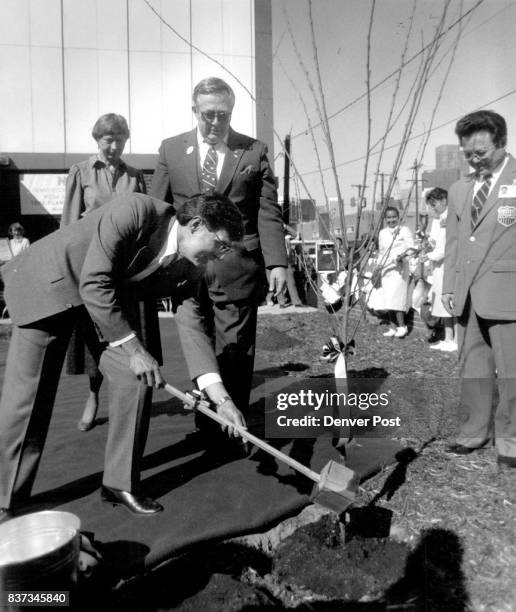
point(222, 247)
point(210, 116)
point(477, 154)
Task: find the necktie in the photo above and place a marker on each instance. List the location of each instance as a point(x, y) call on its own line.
point(479, 200)
point(209, 170)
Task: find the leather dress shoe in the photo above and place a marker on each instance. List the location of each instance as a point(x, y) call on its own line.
point(506, 461)
point(137, 504)
point(5, 515)
point(86, 425)
point(460, 449)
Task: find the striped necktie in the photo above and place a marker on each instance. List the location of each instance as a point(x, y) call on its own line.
point(479, 200)
point(209, 170)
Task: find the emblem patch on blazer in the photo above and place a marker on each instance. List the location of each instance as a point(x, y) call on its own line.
point(507, 215)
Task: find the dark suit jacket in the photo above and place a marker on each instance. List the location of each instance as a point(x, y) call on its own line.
point(482, 262)
point(92, 261)
point(247, 179)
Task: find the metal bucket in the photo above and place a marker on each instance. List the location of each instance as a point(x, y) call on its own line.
point(39, 551)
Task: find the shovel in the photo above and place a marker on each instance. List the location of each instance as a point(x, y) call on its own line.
point(335, 487)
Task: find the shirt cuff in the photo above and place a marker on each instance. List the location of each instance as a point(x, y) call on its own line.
point(205, 380)
point(122, 340)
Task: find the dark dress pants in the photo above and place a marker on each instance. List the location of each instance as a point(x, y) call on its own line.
point(488, 352)
point(35, 359)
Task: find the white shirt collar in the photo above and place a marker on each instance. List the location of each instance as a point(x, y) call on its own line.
point(219, 147)
point(171, 246)
point(495, 176)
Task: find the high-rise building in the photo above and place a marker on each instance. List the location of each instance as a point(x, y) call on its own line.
point(449, 166)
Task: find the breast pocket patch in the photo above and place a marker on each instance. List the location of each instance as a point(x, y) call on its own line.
point(506, 215)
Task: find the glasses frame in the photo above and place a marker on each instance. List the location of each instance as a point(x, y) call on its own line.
point(223, 247)
point(210, 116)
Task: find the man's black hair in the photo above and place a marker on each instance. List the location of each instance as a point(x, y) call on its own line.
point(217, 211)
point(437, 193)
point(391, 209)
point(481, 120)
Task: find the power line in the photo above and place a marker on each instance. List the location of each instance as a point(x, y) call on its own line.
point(437, 127)
point(389, 76)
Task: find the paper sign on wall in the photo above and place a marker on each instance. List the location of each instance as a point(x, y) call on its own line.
point(42, 194)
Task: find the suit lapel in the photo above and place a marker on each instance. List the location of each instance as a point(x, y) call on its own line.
point(231, 159)
point(145, 262)
point(190, 160)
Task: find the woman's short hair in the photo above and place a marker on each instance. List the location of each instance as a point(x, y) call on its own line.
point(110, 124)
point(13, 227)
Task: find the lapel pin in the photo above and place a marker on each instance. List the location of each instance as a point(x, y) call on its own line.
point(189, 151)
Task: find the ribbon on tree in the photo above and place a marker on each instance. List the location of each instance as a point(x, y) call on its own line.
point(334, 347)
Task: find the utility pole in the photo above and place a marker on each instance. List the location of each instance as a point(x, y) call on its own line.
point(416, 182)
point(382, 176)
point(360, 207)
point(286, 181)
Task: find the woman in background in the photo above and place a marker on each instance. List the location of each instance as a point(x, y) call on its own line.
point(90, 184)
point(437, 202)
point(17, 241)
point(393, 242)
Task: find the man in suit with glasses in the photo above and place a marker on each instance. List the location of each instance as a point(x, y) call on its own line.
point(479, 285)
point(213, 157)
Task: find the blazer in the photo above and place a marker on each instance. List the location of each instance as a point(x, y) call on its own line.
point(247, 179)
point(89, 185)
point(91, 263)
point(481, 262)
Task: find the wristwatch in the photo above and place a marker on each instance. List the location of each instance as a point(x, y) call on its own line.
point(222, 400)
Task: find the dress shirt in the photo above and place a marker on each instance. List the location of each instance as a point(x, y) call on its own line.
point(220, 147)
point(17, 245)
point(494, 178)
point(91, 184)
point(170, 249)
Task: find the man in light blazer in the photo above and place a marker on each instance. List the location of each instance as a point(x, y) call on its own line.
point(479, 285)
point(213, 156)
point(105, 265)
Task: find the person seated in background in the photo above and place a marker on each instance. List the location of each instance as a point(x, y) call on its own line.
point(17, 241)
point(90, 184)
point(437, 202)
point(107, 266)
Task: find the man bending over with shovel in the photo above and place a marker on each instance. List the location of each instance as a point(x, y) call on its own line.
point(111, 265)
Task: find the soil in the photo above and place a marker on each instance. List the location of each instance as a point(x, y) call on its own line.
point(434, 532)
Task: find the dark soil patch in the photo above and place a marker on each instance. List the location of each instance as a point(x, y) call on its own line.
point(273, 339)
point(361, 568)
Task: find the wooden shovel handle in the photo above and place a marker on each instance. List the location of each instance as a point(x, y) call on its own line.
point(299, 467)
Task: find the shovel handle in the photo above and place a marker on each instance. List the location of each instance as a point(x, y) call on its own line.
point(299, 467)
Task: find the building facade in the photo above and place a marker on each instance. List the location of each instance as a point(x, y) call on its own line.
point(66, 62)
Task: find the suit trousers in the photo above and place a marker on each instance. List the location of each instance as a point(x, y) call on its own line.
point(235, 344)
point(34, 363)
point(488, 353)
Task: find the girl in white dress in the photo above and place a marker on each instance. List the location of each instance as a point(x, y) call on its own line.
point(393, 242)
